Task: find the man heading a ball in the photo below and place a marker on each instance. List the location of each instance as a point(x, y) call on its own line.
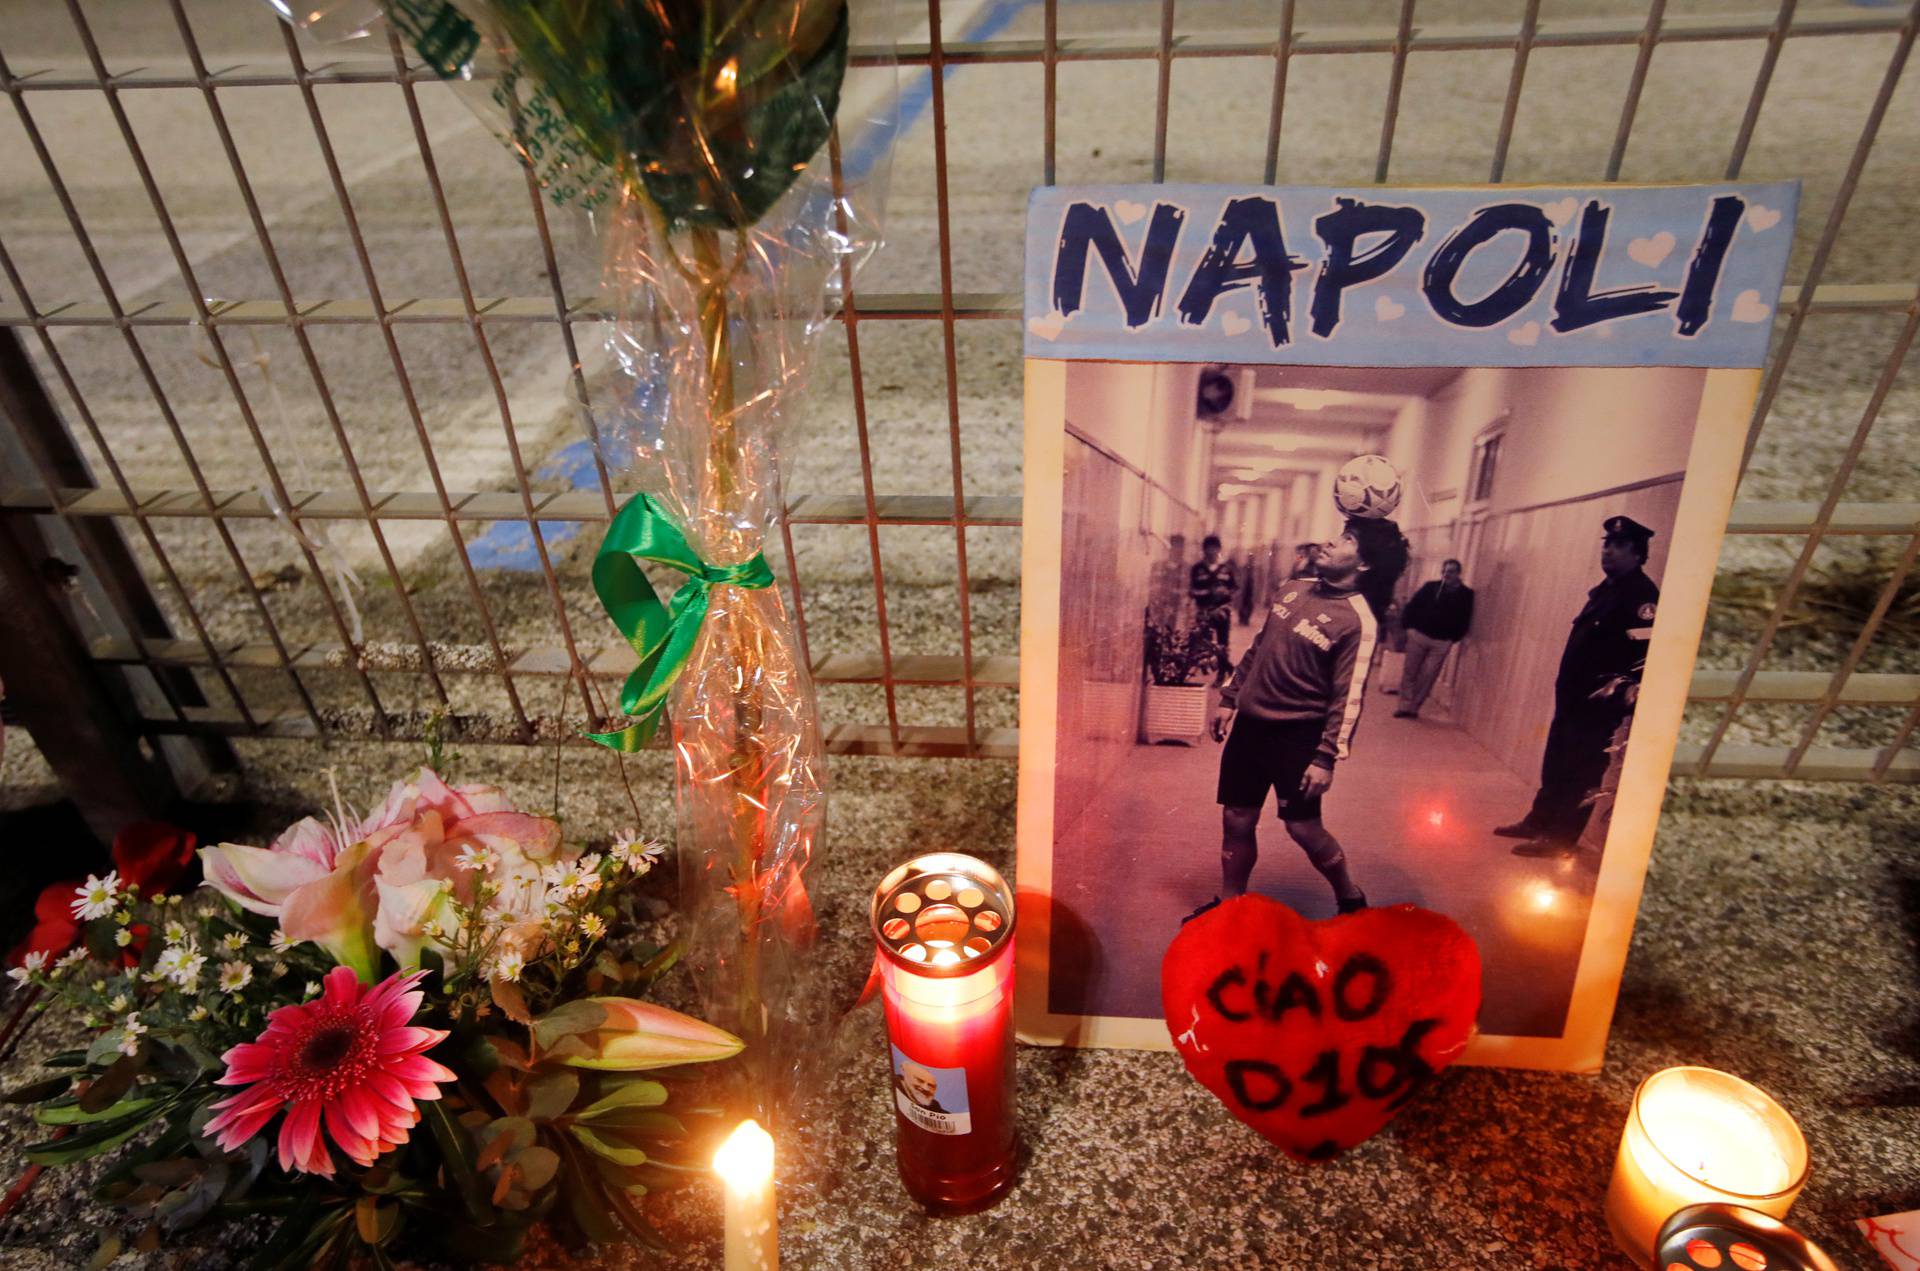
point(1289, 712)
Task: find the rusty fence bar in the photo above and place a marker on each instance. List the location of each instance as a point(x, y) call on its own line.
point(274, 686)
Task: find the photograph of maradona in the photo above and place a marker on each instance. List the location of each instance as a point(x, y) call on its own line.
point(1355, 637)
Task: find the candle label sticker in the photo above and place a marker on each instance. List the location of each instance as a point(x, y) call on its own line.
point(935, 1099)
point(1316, 1033)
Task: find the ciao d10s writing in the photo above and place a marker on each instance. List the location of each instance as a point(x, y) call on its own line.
point(1317, 1033)
point(1358, 992)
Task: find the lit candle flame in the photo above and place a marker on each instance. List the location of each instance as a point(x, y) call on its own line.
point(729, 77)
point(745, 1160)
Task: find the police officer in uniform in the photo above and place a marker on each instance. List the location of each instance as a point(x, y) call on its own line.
point(1604, 655)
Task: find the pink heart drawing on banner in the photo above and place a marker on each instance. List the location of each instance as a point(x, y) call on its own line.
point(1234, 324)
point(1129, 212)
point(1651, 251)
point(1561, 211)
point(1047, 328)
point(1525, 336)
point(1761, 219)
point(1386, 308)
point(1748, 307)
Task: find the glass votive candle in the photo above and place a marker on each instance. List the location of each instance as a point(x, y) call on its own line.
point(944, 924)
point(1698, 1136)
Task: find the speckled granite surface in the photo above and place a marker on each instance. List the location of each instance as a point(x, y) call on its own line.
point(1779, 938)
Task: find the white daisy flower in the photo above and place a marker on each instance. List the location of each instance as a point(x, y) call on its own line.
point(234, 941)
point(179, 962)
point(280, 943)
point(72, 958)
point(197, 1014)
point(640, 856)
point(627, 847)
point(279, 970)
point(313, 988)
point(235, 976)
point(130, 1034)
point(473, 857)
point(594, 925)
point(97, 897)
point(565, 880)
point(175, 932)
point(123, 937)
point(118, 1003)
point(508, 966)
point(24, 972)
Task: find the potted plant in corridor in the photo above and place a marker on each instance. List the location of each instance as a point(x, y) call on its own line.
point(1181, 664)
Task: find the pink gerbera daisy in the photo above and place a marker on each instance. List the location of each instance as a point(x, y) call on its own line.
point(350, 1058)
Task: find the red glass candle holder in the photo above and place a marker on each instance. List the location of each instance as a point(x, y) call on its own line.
point(944, 924)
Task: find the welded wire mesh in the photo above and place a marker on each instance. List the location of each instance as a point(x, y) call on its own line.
point(332, 382)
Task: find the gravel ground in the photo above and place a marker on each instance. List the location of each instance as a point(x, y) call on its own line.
point(1779, 937)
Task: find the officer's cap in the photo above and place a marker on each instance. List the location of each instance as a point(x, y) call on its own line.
point(1626, 528)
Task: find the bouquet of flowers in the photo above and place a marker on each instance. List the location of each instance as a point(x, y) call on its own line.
point(698, 135)
point(423, 1023)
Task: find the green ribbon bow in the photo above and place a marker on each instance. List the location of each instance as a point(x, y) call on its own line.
point(662, 636)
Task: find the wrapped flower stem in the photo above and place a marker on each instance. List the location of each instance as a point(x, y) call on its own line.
point(688, 130)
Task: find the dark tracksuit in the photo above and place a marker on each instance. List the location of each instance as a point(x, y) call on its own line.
point(1606, 649)
point(1212, 588)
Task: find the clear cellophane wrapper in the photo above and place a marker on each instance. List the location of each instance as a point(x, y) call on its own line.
point(750, 774)
point(719, 279)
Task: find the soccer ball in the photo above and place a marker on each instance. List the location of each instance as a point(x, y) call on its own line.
point(1368, 486)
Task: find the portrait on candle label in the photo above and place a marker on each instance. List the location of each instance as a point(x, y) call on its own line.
point(1368, 540)
point(935, 1099)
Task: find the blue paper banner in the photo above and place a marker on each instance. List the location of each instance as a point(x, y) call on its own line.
point(1604, 275)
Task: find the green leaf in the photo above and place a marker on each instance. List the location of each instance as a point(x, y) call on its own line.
point(537, 1166)
point(457, 1153)
point(551, 1093)
point(112, 1084)
point(579, 1016)
point(67, 1059)
point(638, 1229)
point(503, 1052)
point(637, 1121)
point(633, 1094)
point(89, 1143)
point(620, 1153)
point(38, 1091)
point(503, 1137)
point(589, 1211)
point(184, 1208)
point(170, 1173)
point(253, 1159)
point(105, 1050)
point(662, 961)
point(574, 1047)
point(374, 1220)
point(105, 1252)
point(76, 1113)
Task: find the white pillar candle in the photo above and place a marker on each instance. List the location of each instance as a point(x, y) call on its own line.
point(745, 1165)
point(1696, 1136)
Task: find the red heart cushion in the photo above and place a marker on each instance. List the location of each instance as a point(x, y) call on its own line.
point(1316, 1033)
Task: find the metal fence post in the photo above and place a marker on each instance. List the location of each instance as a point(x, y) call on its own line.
point(84, 716)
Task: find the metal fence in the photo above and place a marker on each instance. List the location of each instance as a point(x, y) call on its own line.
point(259, 661)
